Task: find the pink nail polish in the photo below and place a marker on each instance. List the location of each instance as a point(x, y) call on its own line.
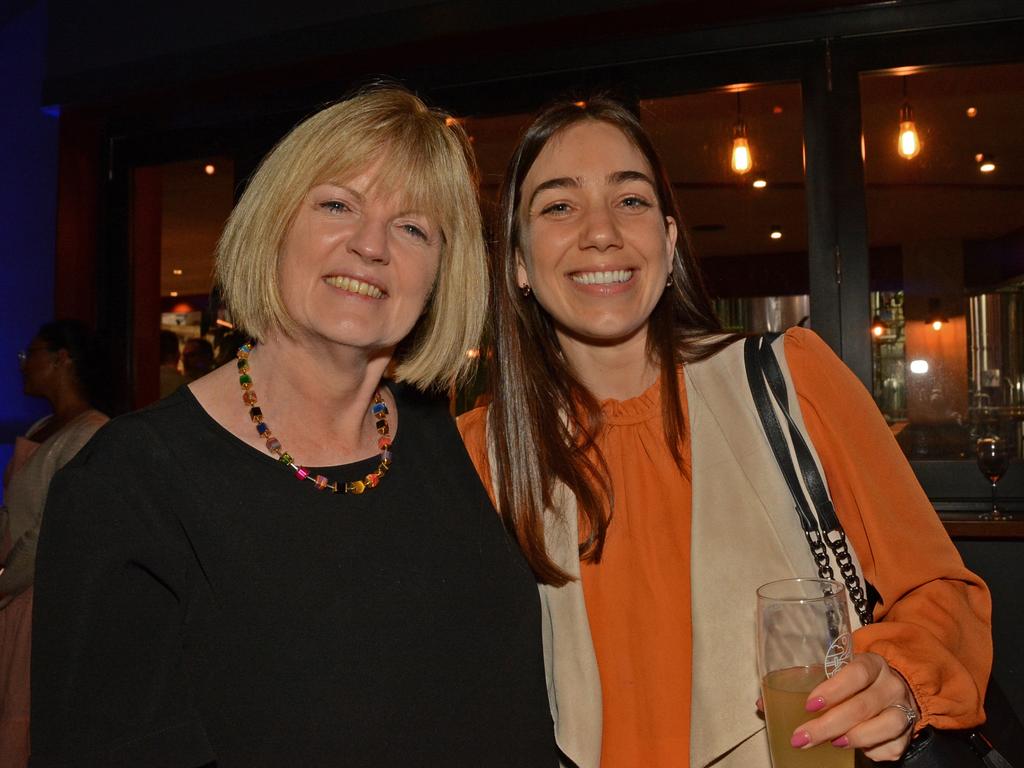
point(800, 739)
point(813, 705)
point(842, 741)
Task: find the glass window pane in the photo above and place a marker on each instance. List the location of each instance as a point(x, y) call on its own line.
point(197, 197)
point(748, 228)
point(944, 176)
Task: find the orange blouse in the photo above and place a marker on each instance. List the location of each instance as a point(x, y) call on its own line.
point(638, 596)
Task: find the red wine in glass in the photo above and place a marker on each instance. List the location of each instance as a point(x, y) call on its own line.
point(993, 461)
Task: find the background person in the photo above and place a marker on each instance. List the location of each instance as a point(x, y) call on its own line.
point(170, 377)
point(59, 366)
point(196, 358)
point(626, 453)
point(306, 569)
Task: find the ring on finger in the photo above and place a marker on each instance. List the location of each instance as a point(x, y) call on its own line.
point(908, 712)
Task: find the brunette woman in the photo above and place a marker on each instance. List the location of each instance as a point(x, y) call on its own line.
point(625, 452)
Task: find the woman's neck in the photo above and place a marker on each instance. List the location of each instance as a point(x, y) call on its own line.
point(315, 397)
point(618, 371)
point(68, 403)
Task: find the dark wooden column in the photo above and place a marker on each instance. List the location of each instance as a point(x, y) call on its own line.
point(146, 205)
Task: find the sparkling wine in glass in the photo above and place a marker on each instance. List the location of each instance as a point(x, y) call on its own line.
point(993, 461)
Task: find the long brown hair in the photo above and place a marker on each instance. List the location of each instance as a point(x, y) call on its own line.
point(543, 421)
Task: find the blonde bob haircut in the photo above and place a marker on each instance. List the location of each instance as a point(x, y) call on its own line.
point(424, 157)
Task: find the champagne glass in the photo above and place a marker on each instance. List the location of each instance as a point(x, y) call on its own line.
point(993, 461)
point(803, 637)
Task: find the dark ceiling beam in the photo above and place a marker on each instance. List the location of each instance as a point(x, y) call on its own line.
point(467, 43)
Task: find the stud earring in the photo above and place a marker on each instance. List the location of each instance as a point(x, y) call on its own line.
point(526, 290)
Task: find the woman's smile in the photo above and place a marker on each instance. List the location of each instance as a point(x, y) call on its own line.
point(607, 277)
point(355, 286)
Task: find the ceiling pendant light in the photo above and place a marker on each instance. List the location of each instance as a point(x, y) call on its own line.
point(909, 143)
point(742, 161)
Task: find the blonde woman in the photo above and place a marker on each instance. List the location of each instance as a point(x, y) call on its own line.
point(291, 561)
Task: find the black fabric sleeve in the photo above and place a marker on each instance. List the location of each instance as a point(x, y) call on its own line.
point(109, 684)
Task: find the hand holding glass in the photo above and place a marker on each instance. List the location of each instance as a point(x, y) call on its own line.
point(803, 637)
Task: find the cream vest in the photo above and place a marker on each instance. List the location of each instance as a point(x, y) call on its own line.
point(745, 532)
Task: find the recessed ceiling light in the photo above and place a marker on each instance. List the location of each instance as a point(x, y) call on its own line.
point(972, 112)
point(174, 293)
point(760, 184)
point(175, 271)
point(776, 233)
point(209, 169)
point(919, 366)
point(986, 163)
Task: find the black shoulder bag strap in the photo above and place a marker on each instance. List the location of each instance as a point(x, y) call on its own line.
point(931, 748)
point(817, 515)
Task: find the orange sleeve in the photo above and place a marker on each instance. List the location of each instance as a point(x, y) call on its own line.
point(934, 621)
point(473, 428)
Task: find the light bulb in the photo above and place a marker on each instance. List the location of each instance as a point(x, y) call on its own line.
point(760, 184)
point(909, 142)
point(936, 325)
point(776, 233)
point(741, 159)
point(919, 366)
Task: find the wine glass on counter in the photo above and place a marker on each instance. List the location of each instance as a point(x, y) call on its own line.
point(993, 461)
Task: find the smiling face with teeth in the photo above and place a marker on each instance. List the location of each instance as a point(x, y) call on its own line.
point(596, 248)
point(358, 264)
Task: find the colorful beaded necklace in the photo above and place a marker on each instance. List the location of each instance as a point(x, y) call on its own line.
point(378, 408)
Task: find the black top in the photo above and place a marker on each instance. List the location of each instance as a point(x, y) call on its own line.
point(195, 602)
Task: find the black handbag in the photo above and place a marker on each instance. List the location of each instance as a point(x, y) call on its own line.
point(931, 748)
